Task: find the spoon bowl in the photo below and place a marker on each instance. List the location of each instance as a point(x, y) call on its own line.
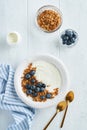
point(70, 96)
point(61, 106)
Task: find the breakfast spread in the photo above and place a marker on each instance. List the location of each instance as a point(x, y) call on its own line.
point(41, 80)
point(49, 20)
point(36, 82)
point(69, 37)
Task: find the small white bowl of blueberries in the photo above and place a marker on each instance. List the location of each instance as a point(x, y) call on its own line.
point(69, 37)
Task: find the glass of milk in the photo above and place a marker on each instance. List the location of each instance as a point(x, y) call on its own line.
point(13, 38)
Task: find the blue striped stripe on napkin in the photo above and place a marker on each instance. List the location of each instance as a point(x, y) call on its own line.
point(9, 100)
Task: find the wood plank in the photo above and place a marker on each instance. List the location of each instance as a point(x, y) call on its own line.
point(75, 58)
point(13, 17)
point(39, 41)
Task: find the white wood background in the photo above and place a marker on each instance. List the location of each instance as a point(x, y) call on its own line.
point(19, 15)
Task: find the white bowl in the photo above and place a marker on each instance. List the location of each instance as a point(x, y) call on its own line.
point(65, 81)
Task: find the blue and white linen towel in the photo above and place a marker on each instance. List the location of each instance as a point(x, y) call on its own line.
point(9, 100)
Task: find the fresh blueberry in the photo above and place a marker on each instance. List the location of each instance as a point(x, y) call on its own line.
point(73, 40)
point(48, 95)
point(74, 34)
point(27, 76)
point(42, 89)
point(28, 86)
point(33, 81)
point(29, 92)
point(44, 85)
point(37, 89)
point(35, 94)
point(32, 72)
point(65, 42)
point(33, 87)
point(69, 33)
point(65, 37)
point(69, 42)
point(42, 97)
point(62, 36)
point(39, 84)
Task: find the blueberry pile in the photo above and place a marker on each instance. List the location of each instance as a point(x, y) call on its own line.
point(33, 88)
point(69, 37)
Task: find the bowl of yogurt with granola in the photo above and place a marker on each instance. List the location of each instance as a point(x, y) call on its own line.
point(41, 81)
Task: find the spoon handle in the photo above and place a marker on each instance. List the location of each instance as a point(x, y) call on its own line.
point(64, 116)
point(50, 120)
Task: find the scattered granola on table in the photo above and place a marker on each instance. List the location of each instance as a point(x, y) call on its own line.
point(34, 88)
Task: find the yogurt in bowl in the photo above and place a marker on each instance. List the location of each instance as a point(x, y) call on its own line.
point(48, 74)
point(41, 81)
point(47, 70)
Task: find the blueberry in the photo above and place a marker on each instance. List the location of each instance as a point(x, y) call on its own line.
point(73, 40)
point(29, 92)
point(44, 85)
point(32, 72)
point(27, 76)
point(48, 95)
point(33, 87)
point(74, 34)
point(35, 94)
point(69, 43)
point(28, 86)
point(42, 97)
point(65, 42)
point(33, 81)
point(69, 33)
point(37, 89)
point(42, 89)
point(39, 84)
point(62, 36)
point(65, 37)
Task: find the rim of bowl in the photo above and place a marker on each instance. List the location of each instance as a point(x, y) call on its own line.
point(52, 8)
point(39, 105)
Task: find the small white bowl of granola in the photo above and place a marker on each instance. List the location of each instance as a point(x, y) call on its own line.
point(41, 81)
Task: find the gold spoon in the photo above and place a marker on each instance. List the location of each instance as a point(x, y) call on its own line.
point(60, 107)
point(69, 98)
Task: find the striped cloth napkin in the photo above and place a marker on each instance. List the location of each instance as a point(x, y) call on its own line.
point(9, 100)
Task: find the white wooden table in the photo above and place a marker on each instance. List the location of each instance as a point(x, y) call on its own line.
point(19, 15)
